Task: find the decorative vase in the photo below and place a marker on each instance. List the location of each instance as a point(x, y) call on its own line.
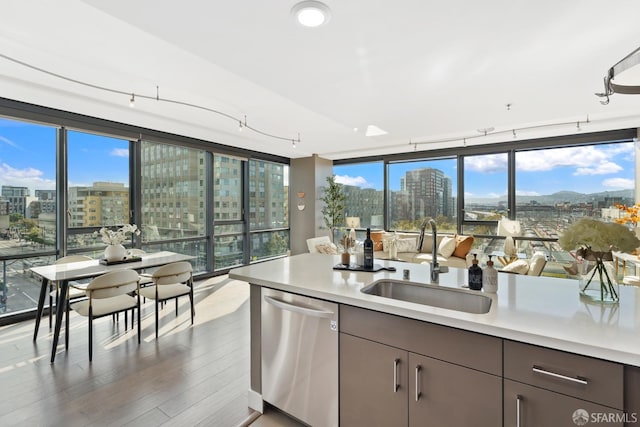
point(345, 258)
point(115, 252)
point(598, 281)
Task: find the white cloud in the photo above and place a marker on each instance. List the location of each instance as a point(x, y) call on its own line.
point(587, 160)
point(620, 183)
point(28, 177)
point(487, 164)
point(604, 168)
point(357, 181)
point(120, 152)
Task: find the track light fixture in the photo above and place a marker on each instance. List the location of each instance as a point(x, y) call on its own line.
point(155, 97)
point(629, 61)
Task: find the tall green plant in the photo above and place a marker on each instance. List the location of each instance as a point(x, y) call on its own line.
point(333, 210)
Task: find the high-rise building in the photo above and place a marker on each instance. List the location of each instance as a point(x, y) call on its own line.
point(425, 192)
point(173, 184)
point(17, 198)
point(103, 203)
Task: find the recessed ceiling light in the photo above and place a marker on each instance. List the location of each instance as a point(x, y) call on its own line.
point(311, 13)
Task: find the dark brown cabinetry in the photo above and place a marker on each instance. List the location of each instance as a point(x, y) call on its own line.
point(385, 381)
point(550, 387)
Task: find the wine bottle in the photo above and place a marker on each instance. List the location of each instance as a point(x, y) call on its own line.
point(368, 251)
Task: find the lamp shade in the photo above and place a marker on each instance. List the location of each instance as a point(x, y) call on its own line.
point(353, 221)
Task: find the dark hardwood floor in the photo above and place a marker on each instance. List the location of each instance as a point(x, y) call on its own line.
point(191, 376)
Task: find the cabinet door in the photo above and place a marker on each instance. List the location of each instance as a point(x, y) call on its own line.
point(444, 394)
point(373, 383)
point(528, 406)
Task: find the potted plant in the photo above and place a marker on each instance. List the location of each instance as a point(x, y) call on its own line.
point(333, 210)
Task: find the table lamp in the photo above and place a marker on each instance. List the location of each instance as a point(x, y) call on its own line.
point(353, 222)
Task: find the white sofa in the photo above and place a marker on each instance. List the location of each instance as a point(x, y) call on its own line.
point(408, 252)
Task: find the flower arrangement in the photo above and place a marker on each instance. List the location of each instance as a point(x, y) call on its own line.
point(119, 236)
point(631, 216)
point(598, 236)
point(595, 240)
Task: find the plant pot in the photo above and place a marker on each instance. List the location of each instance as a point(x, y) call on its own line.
point(115, 252)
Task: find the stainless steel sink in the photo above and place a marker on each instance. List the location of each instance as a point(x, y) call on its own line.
point(435, 296)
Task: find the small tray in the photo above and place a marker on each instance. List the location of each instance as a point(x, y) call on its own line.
point(356, 267)
point(103, 261)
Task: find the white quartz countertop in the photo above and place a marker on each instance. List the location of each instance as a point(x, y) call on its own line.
point(538, 310)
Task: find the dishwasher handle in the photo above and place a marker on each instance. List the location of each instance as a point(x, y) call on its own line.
point(283, 305)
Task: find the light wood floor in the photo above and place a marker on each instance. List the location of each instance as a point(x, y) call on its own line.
point(191, 376)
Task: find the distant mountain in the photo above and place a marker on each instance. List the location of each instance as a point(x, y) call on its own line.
point(560, 197)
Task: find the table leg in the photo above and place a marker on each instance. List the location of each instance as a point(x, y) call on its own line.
point(60, 311)
point(43, 292)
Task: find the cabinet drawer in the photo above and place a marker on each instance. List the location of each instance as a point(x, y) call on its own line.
point(528, 406)
point(583, 377)
point(465, 348)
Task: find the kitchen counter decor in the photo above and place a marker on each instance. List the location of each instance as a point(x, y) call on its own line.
point(595, 240)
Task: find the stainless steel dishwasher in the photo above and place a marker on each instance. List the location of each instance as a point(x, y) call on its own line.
point(300, 356)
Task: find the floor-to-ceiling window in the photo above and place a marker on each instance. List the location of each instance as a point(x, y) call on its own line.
point(268, 209)
point(532, 188)
point(173, 186)
point(363, 185)
point(97, 188)
point(60, 184)
point(228, 218)
point(422, 189)
point(27, 209)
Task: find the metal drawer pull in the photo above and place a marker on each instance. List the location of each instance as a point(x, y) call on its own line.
point(578, 380)
point(418, 368)
point(518, 401)
point(396, 362)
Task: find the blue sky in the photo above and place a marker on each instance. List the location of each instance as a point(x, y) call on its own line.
point(27, 157)
point(586, 169)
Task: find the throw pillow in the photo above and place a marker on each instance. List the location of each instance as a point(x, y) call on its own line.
point(536, 264)
point(447, 246)
point(327, 249)
point(406, 245)
point(463, 246)
point(388, 240)
point(520, 266)
point(376, 236)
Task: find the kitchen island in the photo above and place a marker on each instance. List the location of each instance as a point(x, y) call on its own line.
point(537, 311)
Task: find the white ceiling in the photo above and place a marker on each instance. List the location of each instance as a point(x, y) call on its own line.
point(421, 70)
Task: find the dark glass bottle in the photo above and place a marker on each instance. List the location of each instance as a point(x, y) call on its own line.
point(475, 275)
point(368, 251)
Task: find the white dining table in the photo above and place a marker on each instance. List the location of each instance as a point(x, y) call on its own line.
point(64, 273)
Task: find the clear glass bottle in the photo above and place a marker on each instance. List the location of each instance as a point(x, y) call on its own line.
point(490, 278)
point(475, 275)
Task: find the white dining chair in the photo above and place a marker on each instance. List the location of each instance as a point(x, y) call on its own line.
point(108, 294)
point(170, 281)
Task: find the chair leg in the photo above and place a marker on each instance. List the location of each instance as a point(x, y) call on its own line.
point(90, 334)
point(157, 318)
point(139, 331)
point(193, 310)
point(126, 320)
point(176, 307)
point(66, 326)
